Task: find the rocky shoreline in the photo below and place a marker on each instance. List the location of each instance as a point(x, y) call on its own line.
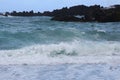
point(95, 13)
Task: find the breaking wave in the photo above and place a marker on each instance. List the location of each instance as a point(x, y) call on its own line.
point(78, 51)
point(37, 40)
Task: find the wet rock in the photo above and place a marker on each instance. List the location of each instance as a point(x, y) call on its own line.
point(66, 18)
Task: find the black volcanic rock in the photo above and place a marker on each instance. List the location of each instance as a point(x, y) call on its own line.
point(66, 18)
point(25, 13)
point(93, 13)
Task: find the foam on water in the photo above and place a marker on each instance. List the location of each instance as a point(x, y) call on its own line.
point(37, 40)
point(60, 72)
point(78, 51)
point(35, 48)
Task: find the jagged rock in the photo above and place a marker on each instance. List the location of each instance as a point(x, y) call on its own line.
point(66, 18)
point(93, 13)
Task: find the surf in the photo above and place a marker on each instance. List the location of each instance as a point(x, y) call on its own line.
point(64, 52)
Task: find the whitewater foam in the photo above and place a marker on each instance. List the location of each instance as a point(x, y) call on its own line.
point(64, 52)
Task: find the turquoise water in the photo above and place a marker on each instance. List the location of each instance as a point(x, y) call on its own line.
point(18, 32)
point(64, 48)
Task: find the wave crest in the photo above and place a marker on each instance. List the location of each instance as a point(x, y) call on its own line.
point(71, 52)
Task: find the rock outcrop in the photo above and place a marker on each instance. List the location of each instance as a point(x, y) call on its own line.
point(66, 18)
point(91, 13)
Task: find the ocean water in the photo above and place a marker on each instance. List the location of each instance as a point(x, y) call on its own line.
point(35, 48)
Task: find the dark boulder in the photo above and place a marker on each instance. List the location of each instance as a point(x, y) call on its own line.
point(67, 18)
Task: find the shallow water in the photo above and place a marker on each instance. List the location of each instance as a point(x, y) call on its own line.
point(35, 48)
point(60, 72)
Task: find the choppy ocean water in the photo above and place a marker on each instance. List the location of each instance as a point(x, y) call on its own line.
point(35, 48)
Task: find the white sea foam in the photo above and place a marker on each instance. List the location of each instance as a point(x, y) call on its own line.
point(101, 31)
point(64, 52)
